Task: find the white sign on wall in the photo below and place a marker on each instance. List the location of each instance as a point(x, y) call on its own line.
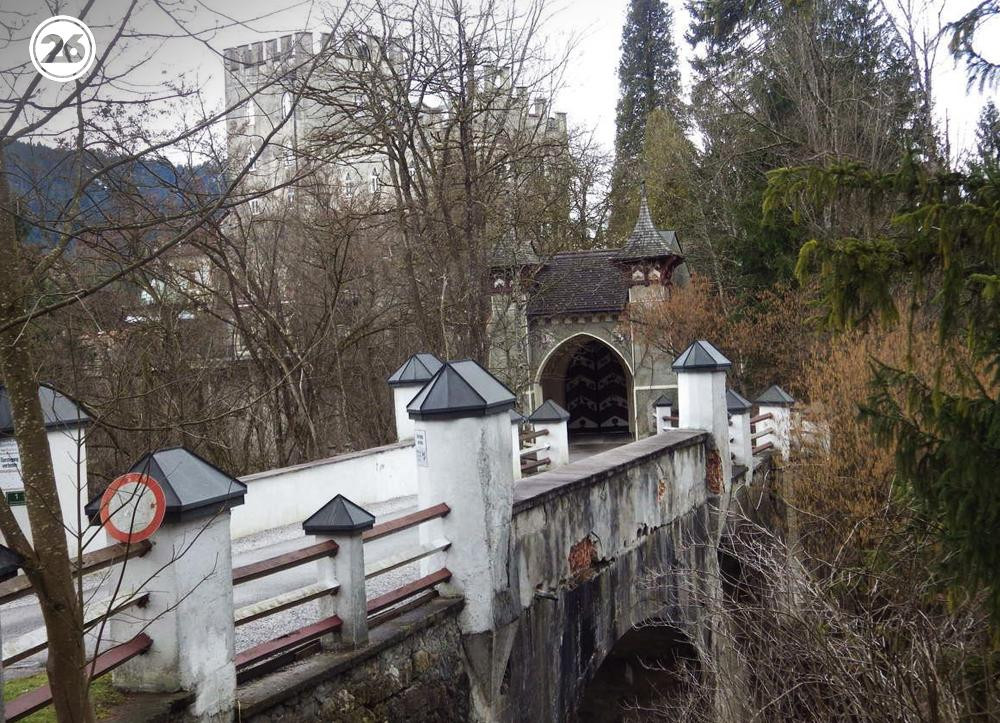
point(10, 465)
point(420, 444)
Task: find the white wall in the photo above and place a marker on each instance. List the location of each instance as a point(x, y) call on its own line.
point(285, 496)
point(69, 463)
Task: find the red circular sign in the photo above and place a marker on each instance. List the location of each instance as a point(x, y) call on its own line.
point(132, 507)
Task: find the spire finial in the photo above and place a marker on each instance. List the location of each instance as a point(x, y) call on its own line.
point(645, 218)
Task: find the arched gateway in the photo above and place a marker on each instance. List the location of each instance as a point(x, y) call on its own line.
point(561, 330)
point(593, 382)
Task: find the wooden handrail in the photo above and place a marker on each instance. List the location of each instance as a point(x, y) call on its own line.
point(288, 560)
point(20, 586)
point(762, 433)
point(671, 418)
point(405, 522)
point(528, 436)
point(763, 448)
point(34, 700)
point(528, 465)
point(399, 594)
point(280, 644)
point(761, 417)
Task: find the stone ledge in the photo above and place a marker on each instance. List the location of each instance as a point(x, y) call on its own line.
point(327, 460)
point(262, 694)
point(563, 480)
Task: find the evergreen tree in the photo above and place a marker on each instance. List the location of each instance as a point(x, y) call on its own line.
point(941, 258)
point(648, 79)
point(988, 139)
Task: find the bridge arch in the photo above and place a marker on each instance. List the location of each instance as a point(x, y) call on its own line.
point(593, 381)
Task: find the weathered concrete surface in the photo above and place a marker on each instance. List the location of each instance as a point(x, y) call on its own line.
point(410, 670)
point(584, 537)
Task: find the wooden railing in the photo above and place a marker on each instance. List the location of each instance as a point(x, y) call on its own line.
point(763, 448)
point(34, 700)
point(18, 587)
point(266, 656)
point(761, 417)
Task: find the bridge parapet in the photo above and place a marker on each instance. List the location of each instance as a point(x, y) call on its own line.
point(568, 521)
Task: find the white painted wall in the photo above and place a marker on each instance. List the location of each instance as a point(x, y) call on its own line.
point(189, 576)
point(662, 425)
point(741, 439)
point(468, 467)
point(701, 399)
point(69, 463)
point(285, 496)
point(401, 396)
point(558, 440)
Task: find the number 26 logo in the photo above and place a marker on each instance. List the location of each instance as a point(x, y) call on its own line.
point(62, 48)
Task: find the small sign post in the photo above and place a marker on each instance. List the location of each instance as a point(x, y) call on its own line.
point(132, 507)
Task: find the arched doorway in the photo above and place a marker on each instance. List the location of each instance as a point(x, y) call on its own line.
point(593, 383)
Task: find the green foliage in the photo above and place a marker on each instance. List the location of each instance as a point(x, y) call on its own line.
point(942, 253)
point(648, 77)
point(102, 693)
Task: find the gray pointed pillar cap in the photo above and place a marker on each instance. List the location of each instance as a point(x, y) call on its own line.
point(192, 486)
point(549, 411)
point(418, 369)
point(10, 562)
point(775, 396)
point(701, 356)
point(339, 515)
point(461, 389)
point(663, 401)
point(58, 410)
point(736, 403)
point(516, 417)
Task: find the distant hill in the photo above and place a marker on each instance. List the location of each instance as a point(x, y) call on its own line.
point(44, 178)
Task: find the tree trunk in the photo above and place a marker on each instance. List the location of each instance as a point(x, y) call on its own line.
point(48, 564)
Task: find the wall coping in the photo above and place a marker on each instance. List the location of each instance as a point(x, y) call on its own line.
point(325, 461)
point(541, 488)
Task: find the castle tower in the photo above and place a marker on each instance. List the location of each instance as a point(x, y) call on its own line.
point(650, 257)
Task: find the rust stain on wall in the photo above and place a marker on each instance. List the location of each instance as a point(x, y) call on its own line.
point(713, 472)
point(661, 489)
point(582, 555)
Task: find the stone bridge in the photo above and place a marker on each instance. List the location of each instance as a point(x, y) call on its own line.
point(518, 589)
point(547, 573)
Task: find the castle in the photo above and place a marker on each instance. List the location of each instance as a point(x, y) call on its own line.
point(576, 345)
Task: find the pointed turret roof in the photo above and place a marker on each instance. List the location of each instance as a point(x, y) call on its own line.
point(646, 241)
point(418, 369)
point(736, 403)
point(701, 356)
point(663, 401)
point(549, 411)
point(461, 389)
point(339, 515)
point(775, 396)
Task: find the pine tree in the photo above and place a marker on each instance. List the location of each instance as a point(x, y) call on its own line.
point(988, 139)
point(648, 79)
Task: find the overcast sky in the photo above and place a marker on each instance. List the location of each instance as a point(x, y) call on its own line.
point(588, 96)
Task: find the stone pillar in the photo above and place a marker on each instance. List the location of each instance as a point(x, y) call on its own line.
point(401, 396)
point(741, 443)
point(553, 418)
point(778, 403)
point(516, 420)
point(463, 447)
point(701, 397)
point(343, 522)
point(406, 382)
point(663, 408)
point(188, 574)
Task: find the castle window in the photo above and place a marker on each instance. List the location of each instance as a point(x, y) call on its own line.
point(287, 104)
point(373, 183)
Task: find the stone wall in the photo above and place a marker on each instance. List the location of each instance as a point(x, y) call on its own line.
point(411, 670)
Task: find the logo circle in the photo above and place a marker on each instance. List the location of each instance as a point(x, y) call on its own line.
point(62, 48)
point(132, 507)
